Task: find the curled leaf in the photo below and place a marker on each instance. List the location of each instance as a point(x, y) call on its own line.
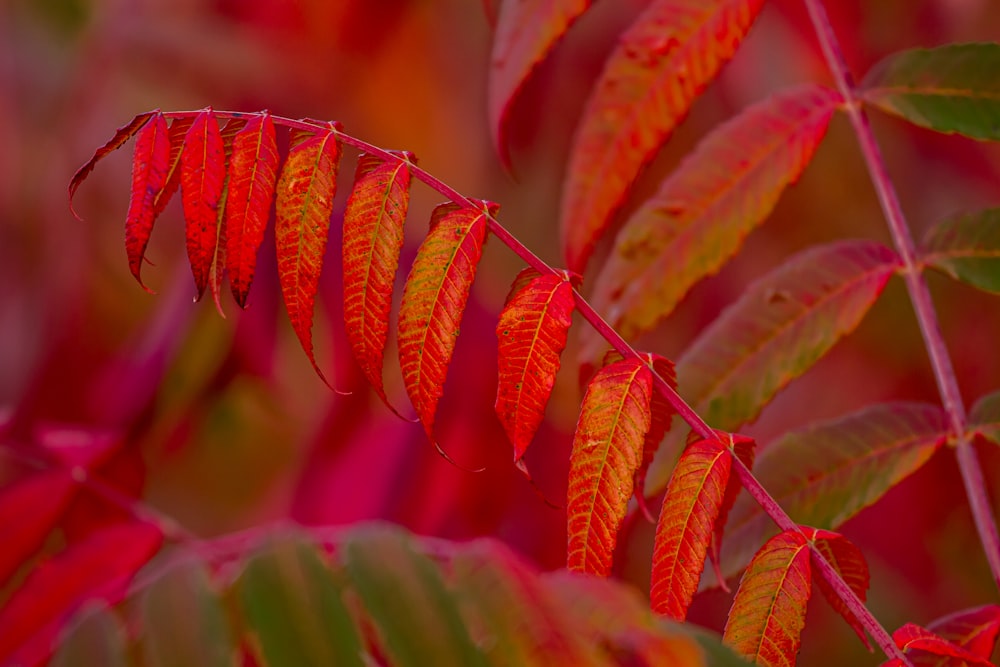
point(150, 164)
point(850, 564)
point(203, 171)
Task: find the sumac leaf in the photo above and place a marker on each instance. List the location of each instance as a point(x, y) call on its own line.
point(661, 414)
point(951, 88)
point(745, 450)
point(975, 630)
point(769, 611)
point(22, 532)
point(203, 170)
point(150, 163)
point(532, 334)
point(607, 450)
point(306, 189)
point(912, 637)
point(94, 636)
point(850, 564)
point(967, 248)
point(662, 63)
point(373, 238)
point(984, 417)
point(434, 299)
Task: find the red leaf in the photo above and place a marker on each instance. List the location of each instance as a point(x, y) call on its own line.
point(532, 334)
point(661, 412)
point(178, 131)
point(912, 637)
point(850, 564)
point(434, 301)
point(685, 528)
point(769, 611)
point(662, 63)
point(306, 190)
point(203, 170)
point(607, 450)
point(23, 532)
point(253, 171)
point(373, 237)
point(150, 164)
point(973, 629)
point(122, 134)
point(744, 449)
point(99, 567)
point(526, 31)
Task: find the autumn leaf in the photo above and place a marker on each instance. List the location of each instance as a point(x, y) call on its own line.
point(434, 299)
point(22, 533)
point(769, 611)
point(203, 170)
point(984, 417)
point(150, 163)
point(306, 189)
point(665, 59)
point(607, 450)
point(974, 630)
point(967, 248)
point(850, 564)
point(373, 238)
point(912, 637)
point(532, 332)
point(744, 449)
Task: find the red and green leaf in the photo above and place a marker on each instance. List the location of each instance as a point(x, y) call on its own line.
point(253, 172)
point(306, 189)
point(769, 610)
point(531, 332)
point(967, 248)
point(22, 533)
point(434, 299)
point(974, 630)
point(912, 638)
point(686, 525)
point(984, 417)
point(150, 165)
point(203, 171)
point(373, 238)
point(701, 214)
point(850, 564)
point(952, 88)
point(525, 34)
point(673, 50)
point(607, 450)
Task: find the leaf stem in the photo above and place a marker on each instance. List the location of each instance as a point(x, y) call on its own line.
point(923, 306)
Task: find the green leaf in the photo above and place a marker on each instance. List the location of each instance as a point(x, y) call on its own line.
point(984, 417)
point(824, 474)
point(952, 88)
point(967, 247)
point(407, 599)
point(294, 609)
point(183, 622)
point(95, 636)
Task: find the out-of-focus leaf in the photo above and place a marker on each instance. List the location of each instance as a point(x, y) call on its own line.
point(98, 567)
point(373, 237)
point(607, 450)
point(95, 636)
point(306, 189)
point(531, 332)
point(984, 417)
point(294, 610)
point(782, 324)
point(434, 301)
point(967, 248)
point(769, 611)
point(526, 31)
point(912, 638)
point(665, 59)
point(203, 170)
point(704, 210)
point(22, 532)
point(974, 630)
point(951, 88)
point(150, 165)
point(850, 564)
point(824, 474)
point(407, 599)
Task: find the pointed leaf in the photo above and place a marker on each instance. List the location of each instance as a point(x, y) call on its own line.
point(703, 211)
point(434, 301)
point(373, 238)
point(150, 164)
point(745, 451)
point(968, 248)
point(304, 204)
point(95, 636)
point(203, 169)
point(824, 474)
point(253, 171)
point(769, 611)
point(912, 637)
point(525, 34)
point(973, 629)
point(22, 533)
point(607, 450)
point(661, 413)
point(672, 51)
point(685, 528)
point(850, 564)
point(984, 417)
point(294, 608)
point(952, 88)
point(98, 567)
point(782, 324)
point(532, 334)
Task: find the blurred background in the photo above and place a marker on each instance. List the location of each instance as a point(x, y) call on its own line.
point(222, 423)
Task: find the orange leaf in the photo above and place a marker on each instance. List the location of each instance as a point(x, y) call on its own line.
point(662, 411)
point(253, 171)
point(22, 533)
point(434, 301)
point(304, 204)
point(850, 564)
point(744, 448)
point(685, 528)
point(769, 611)
point(662, 63)
point(607, 450)
point(912, 637)
point(525, 34)
point(532, 335)
point(150, 164)
point(373, 237)
point(203, 170)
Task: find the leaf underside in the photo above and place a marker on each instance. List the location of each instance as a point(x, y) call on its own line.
point(967, 248)
point(974, 630)
point(150, 164)
point(202, 173)
point(913, 638)
point(850, 564)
